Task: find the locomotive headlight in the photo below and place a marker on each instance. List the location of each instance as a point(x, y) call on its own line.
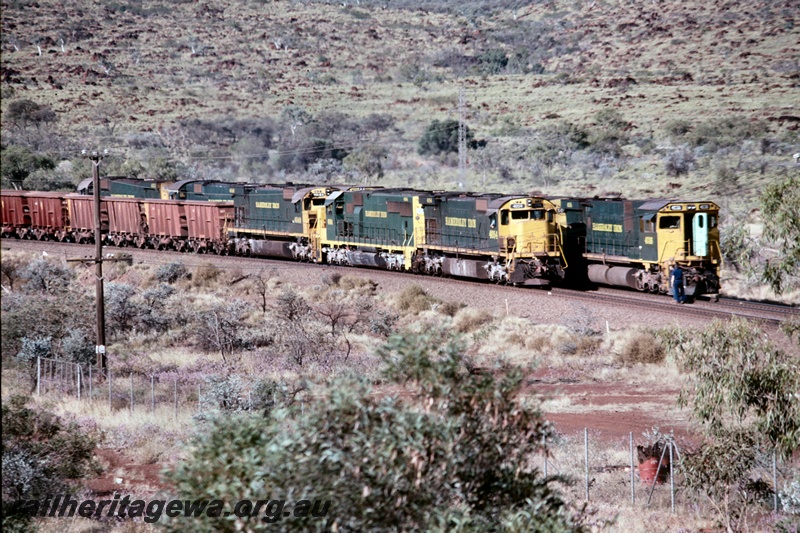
point(530, 202)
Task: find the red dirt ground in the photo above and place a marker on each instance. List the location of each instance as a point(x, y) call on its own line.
point(609, 410)
point(123, 476)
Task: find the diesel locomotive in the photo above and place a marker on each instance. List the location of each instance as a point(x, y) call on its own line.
point(516, 239)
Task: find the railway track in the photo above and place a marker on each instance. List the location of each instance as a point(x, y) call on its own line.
point(707, 308)
point(702, 309)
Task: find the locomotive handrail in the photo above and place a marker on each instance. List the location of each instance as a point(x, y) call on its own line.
point(715, 244)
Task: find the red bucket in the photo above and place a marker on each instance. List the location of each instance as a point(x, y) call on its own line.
point(648, 469)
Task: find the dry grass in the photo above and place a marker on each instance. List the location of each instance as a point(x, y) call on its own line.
point(414, 299)
point(518, 341)
point(206, 276)
point(469, 319)
point(120, 417)
point(684, 59)
point(635, 346)
point(393, 38)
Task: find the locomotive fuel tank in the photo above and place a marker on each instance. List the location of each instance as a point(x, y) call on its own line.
point(614, 275)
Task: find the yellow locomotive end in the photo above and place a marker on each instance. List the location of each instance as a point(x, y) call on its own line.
point(530, 240)
point(688, 235)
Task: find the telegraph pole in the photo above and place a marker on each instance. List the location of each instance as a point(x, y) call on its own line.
point(462, 139)
point(100, 347)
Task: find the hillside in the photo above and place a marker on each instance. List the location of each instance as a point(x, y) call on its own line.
point(232, 90)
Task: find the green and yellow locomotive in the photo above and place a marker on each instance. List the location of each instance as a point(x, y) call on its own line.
point(513, 239)
point(635, 243)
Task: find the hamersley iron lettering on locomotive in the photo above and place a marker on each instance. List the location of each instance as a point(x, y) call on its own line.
point(516, 239)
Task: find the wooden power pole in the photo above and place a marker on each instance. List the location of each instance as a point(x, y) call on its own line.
point(100, 347)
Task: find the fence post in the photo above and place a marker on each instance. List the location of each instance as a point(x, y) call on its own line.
point(153, 392)
point(655, 479)
point(586, 458)
point(775, 480)
point(79, 381)
point(110, 404)
point(633, 490)
point(671, 480)
point(176, 399)
point(544, 447)
point(131, 392)
point(90, 384)
point(38, 376)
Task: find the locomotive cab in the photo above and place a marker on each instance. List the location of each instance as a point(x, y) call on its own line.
point(527, 227)
point(688, 235)
point(529, 239)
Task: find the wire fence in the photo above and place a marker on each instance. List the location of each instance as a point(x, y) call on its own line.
point(603, 470)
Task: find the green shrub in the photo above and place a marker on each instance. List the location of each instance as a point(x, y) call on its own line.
point(382, 323)
point(42, 456)
point(780, 203)
point(441, 137)
point(46, 276)
point(453, 453)
point(724, 132)
point(493, 61)
point(48, 315)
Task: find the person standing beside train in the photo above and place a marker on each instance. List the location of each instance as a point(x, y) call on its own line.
point(676, 280)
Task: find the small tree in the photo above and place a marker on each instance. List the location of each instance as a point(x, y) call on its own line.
point(122, 309)
point(25, 113)
point(441, 137)
point(19, 162)
point(742, 390)
point(367, 160)
point(781, 206)
point(261, 284)
point(222, 327)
